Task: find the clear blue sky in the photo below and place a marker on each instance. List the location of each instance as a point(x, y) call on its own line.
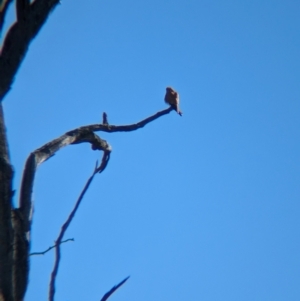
point(200, 207)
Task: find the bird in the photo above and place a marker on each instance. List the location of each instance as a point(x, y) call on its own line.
point(172, 98)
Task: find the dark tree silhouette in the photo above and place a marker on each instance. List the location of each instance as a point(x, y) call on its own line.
point(15, 223)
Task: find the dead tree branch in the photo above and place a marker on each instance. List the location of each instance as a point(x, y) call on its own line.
point(45, 152)
point(15, 223)
point(109, 293)
point(79, 135)
point(30, 19)
point(67, 223)
point(22, 216)
point(50, 248)
point(125, 128)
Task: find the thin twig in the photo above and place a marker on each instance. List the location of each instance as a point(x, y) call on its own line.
point(66, 225)
point(50, 248)
point(109, 293)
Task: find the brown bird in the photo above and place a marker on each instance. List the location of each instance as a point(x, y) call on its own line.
point(172, 98)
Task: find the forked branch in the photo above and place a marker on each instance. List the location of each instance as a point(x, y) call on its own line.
point(80, 135)
point(76, 136)
point(31, 16)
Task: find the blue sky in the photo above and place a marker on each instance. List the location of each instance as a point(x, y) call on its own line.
point(199, 207)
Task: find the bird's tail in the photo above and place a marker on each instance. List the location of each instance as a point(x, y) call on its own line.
point(176, 108)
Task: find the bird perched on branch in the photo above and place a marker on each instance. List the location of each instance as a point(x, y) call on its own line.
point(172, 98)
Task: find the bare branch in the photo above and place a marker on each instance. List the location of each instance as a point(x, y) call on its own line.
point(79, 135)
point(23, 215)
point(3, 9)
point(108, 128)
point(45, 152)
point(108, 294)
point(50, 248)
point(31, 18)
point(62, 232)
